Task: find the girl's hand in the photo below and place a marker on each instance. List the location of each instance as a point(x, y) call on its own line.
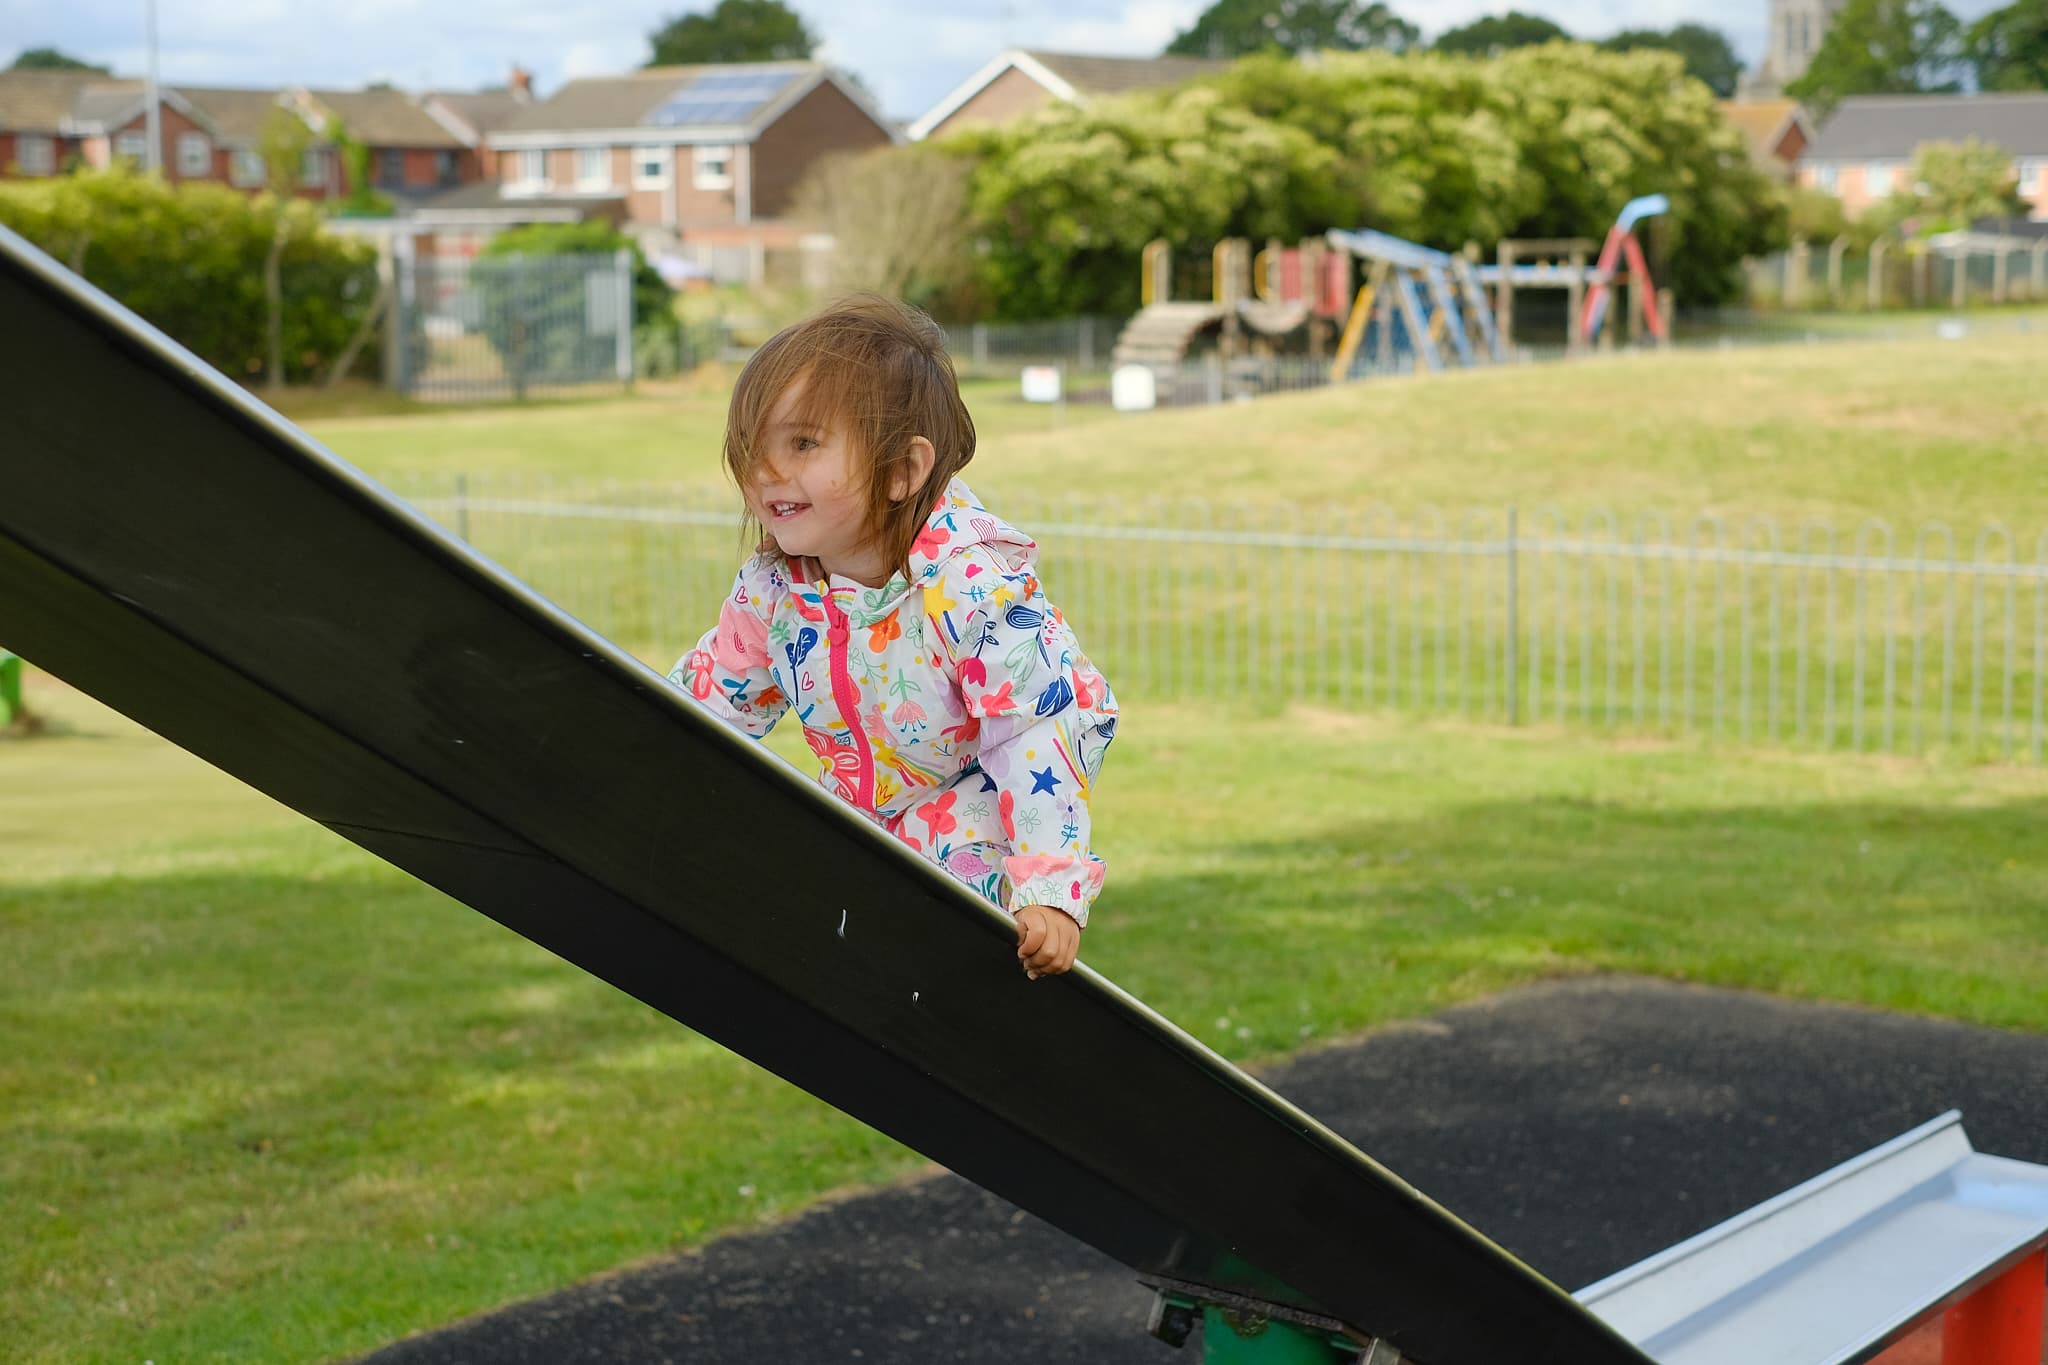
point(1047, 940)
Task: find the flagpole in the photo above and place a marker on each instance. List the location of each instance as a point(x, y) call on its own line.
point(153, 158)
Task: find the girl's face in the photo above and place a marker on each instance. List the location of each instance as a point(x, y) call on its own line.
point(810, 492)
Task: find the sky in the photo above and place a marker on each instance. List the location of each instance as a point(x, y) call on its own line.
point(909, 53)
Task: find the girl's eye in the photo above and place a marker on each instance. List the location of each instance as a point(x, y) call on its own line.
point(805, 443)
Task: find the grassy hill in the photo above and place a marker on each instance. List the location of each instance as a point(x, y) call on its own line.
point(1902, 430)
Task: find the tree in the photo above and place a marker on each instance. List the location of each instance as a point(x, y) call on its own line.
point(1234, 28)
point(362, 200)
point(188, 257)
point(2009, 47)
point(50, 59)
point(1956, 183)
point(1067, 199)
point(1814, 215)
point(1882, 47)
point(1708, 55)
point(898, 219)
point(734, 31)
point(1547, 141)
point(282, 143)
point(1495, 34)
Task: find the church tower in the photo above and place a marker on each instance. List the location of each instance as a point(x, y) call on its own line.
point(1797, 27)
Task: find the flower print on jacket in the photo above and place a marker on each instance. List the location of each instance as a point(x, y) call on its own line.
point(957, 682)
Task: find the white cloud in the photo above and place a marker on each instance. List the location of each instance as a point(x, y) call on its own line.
point(593, 57)
point(1143, 29)
point(909, 52)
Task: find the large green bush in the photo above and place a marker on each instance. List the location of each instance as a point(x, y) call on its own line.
point(189, 259)
point(1540, 142)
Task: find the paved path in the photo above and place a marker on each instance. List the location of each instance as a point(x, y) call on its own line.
point(1583, 1125)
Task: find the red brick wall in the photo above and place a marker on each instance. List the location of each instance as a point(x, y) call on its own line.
point(420, 163)
point(823, 121)
point(705, 208)
point(173, 124)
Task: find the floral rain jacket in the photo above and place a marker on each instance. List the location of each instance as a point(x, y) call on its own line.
point(955, 707)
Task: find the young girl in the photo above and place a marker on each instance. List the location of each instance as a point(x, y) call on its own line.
point(945, 696)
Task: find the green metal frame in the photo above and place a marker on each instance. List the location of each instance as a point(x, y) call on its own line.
point(1240, 1333)
point(10, 687)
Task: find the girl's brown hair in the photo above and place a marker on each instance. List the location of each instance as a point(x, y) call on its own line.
point(877, 370)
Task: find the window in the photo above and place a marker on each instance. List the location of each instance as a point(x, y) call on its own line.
point(530, 170)
point(245, 169)
point(2031, 177)
point(714, 167)
point(446, 171)
point(1877, 179)
point(390, 167)
point(593, 168)
point(313, 170)
point(650, 168)
point(1824, 176)
point(131, 146)
point(195, 155)
point(36, 155)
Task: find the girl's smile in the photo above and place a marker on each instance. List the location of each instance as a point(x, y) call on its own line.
point(809, 494)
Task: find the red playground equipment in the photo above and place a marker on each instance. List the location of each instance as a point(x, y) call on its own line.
point(1621, 239)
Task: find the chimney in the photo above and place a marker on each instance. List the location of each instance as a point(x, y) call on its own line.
point(520, 82)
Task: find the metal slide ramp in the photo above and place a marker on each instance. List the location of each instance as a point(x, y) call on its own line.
point(173, 547)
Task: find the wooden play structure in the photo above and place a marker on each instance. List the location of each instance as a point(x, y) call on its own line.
point(1278, 300)
point(1391, 305)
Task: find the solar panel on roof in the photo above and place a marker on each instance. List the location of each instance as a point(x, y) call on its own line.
point(720, 97)
point(734, 82)
point(716, 110)
point(678, 112)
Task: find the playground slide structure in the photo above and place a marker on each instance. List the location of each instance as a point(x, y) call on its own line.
point(1417, 306)
point(173, 547)
point(1417, 297)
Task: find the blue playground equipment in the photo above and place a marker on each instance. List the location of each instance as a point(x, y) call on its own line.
point(1414, 299)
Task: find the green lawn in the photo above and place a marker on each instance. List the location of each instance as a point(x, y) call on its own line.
point(1903, 430)
point(265, 1098)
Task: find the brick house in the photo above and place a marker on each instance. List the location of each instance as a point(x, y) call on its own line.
point(1018, 82)
point(52, 120)
point(1777, 131)
point(703, 160)
point(237, 117)
point(1862, 152)
point(473, 115)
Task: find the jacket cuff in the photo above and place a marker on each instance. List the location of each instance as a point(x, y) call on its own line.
point(1065, 883)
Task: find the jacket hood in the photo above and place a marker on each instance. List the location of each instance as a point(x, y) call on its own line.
point(958, 524)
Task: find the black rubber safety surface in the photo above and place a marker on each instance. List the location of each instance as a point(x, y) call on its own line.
point(1583, 1124)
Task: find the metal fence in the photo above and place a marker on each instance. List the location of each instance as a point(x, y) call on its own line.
point(985, 349)
point(1860, 638)
point(1968, 270)
point(510, 326)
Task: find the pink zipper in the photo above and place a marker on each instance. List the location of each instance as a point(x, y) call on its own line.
point(846, 699)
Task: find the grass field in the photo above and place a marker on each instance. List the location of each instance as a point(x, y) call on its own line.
point(265, 1098)
point(1903, 430)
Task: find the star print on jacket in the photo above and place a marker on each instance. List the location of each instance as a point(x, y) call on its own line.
point(954, 707)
